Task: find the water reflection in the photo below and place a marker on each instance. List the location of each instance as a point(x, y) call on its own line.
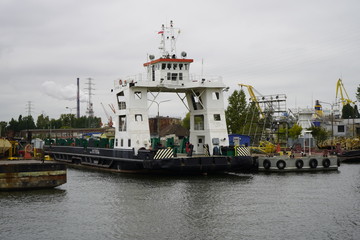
point(98, 205)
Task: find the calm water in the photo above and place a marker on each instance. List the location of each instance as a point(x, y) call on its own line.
point(97, 205)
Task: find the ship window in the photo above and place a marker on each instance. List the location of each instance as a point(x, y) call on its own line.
point(168, 76)
point(163, 66)
point(199, 122)
point(215, 95)
point(121, 142)
point(175, 66)
point(217, 117)
point(122, 105)
point(180, 76)
point(341, 128)
point(186, 67)
point(120, 99)
point(138, 117)
point(138, 95)
point(174, 76)
point(169, 66)
point(181, 66)
point(129, 142)
point(116, 142)
point(122, 123)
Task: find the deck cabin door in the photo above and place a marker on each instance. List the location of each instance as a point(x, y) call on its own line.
point(200, 144)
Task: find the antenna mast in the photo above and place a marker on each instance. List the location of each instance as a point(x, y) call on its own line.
point(168, 34)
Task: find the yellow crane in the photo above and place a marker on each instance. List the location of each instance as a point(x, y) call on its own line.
point(253, 98)
point(340, 90)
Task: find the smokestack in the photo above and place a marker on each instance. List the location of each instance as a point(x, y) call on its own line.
point(78, 99)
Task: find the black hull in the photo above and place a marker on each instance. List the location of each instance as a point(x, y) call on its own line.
point(144, 162)
point(351, 156)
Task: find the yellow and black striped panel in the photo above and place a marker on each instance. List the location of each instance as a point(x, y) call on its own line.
point(206, 150)
point(164, 153)
point(242, 151)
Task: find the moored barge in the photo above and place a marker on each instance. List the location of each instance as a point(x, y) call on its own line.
point(31, 174)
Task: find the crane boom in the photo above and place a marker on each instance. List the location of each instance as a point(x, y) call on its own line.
point(340, 90)
point(253, 98)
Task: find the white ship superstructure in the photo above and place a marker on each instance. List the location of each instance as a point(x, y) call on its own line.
point(170, 73)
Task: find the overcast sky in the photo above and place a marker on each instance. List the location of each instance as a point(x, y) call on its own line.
point(297, 48)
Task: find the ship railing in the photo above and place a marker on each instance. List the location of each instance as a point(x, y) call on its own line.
point(210, 78)
point(129, 79)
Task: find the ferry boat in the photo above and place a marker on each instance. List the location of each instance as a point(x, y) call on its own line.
point(203, 98)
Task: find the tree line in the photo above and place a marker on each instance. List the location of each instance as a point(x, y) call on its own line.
point(13, 127)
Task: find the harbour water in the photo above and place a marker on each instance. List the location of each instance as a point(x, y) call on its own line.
point(100, 205)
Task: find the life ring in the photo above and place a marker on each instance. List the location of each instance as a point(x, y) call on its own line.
point(299, 163)
point(313, 163)
point(326, 163)
point(28, 148)
point(266, 164)
point(281, 164)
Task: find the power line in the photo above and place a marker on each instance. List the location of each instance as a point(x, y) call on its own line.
point(29, 108)
point(90, 110)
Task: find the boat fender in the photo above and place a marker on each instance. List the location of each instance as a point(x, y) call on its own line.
point(326, 163)
point(266, 164)
point(338, 162)
point(120, 82)
point(313, 163)
point(299, 163)
point(281, 164)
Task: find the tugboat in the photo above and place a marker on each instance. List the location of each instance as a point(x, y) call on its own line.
point(132, 152)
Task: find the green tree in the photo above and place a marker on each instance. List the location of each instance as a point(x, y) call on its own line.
point(356, 112)
point(235, 113)
point(348, 112)
point(319, 134)
point(28, 123)
point(3, 126)
point(186, 121)
point(295, 131)
point(43, 122)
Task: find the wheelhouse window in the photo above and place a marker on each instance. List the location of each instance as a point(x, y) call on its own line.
point(129, 142)
point(122, 123)
point(180, 76)
point(168, 76)
point(174, 76)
